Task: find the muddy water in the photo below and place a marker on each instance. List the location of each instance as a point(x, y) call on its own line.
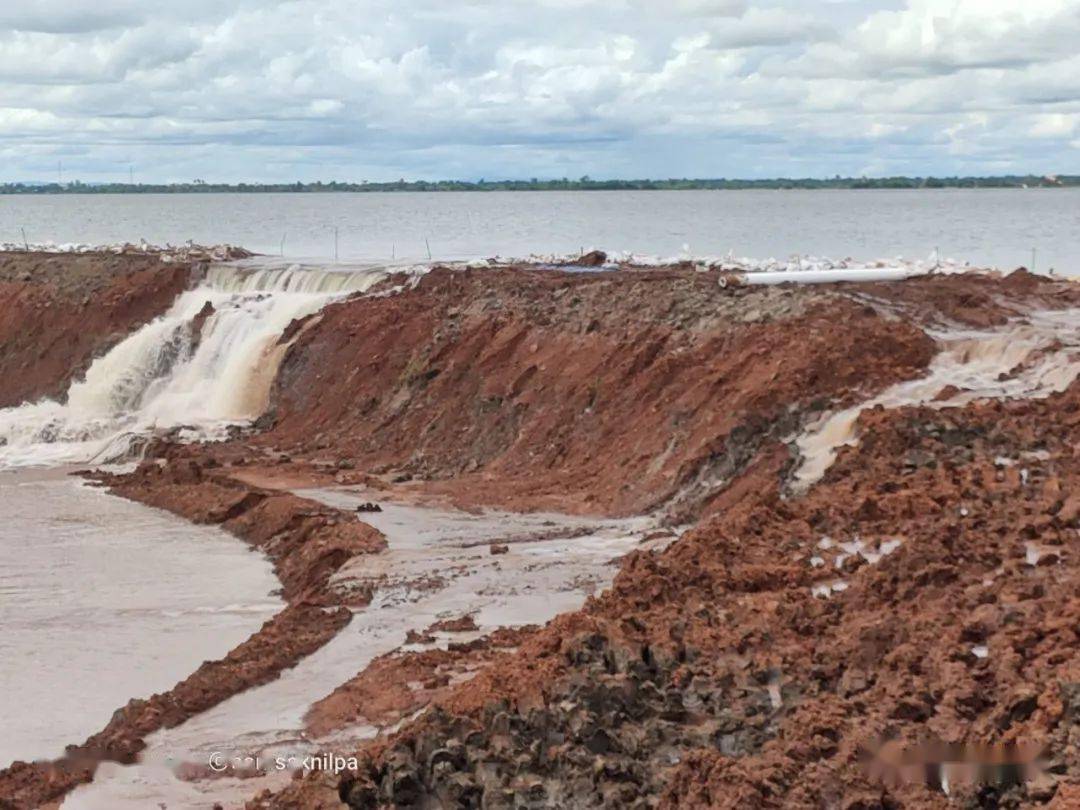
point(160, 377)
point(88, 619)
point(438, 566)
point(1032, 357)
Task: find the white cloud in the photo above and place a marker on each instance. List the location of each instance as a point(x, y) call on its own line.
point(1055, 125)
point(377, 89)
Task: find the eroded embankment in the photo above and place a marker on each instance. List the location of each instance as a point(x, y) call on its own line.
point(715, 675)
point(611, 393)
point(60, 311)
point(925, 589)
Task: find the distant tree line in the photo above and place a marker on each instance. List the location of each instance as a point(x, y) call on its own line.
point(581, 184)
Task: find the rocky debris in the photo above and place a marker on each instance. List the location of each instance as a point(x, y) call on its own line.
point(594, 258)
point(368, 506)
point(165, 253)
point(397, 685)
point(609, 741)
point(498, 548)
point(462, 624)
point(796, 264)
point(419, 637)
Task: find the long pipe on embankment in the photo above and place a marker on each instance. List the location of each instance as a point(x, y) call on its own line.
point(830, 276)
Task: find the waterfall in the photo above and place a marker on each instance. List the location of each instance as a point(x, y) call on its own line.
point(166, 376)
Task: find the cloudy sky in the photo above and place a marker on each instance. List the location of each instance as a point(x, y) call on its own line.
point(233, 90)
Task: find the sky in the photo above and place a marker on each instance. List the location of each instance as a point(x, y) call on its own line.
point(261, 90)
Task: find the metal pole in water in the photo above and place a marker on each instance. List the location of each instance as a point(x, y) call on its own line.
point(335, 243)
point(1033, 251)
point(428, 245)
point(282, 244)
point(26, 244)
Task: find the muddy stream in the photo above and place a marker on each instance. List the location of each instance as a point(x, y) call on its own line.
point(438, 566)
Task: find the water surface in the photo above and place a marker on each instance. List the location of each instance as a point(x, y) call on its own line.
point(996, 227)
point(103, 600)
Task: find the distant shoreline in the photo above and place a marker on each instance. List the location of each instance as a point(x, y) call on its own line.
point(582, 184)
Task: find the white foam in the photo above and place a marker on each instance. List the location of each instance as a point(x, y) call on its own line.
point(798, 268)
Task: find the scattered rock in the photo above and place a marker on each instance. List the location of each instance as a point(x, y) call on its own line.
point(594, 258)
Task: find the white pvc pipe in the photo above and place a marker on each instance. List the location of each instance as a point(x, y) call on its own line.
point(831, 276)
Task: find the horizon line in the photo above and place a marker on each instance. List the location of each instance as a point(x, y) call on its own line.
point(555, 184)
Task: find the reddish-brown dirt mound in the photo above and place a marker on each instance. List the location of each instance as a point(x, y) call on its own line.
point(60, 311)
point(925, 589)
point(593, 393)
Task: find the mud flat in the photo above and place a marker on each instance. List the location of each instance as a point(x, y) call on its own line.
point(310, 618)
point(521, 429)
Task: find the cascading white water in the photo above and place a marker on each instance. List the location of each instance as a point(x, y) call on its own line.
point(165, 376)
point(1029, 358)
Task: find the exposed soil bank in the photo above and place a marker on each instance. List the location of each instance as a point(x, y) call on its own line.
point(597, 393)
point(60, 311)
point(307, 541)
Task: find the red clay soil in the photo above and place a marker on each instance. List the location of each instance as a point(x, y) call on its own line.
point(604, 393)
point(711, 676)
point(305, 540)
point(715, 673)
point(971, 300)
point(398, 684)
point(60, 311)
